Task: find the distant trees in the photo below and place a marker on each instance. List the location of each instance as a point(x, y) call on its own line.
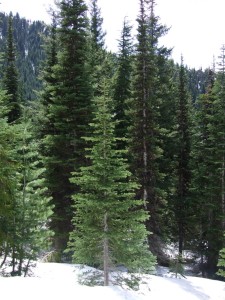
point(29, 39)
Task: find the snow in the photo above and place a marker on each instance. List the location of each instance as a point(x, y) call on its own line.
point(59, 281)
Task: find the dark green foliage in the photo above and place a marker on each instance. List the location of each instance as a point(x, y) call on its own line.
point(97, 52)
point(208, 172)
point(97, 34)
point(11, 83)
point(183, 159)
point(145, 132)
point(108, 221)
point(197, 82)
point(122, 86)
point(29, 52)
point(68, 113)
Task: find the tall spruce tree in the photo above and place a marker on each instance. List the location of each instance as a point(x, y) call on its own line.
point(97, 50)
point(43, 125)
point(11, 82)
point(208, 170)
point(215, 240)
point(204, 175)
point(97, 33)
point(123, 82)
point(183, 159)
point(108, 221)
point(69, 114)
point(145, 145)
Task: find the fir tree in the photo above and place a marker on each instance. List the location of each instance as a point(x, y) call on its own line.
point(7, 169)
point(145, 134)
point(11, 83)
point(24, 209)
point(97, 33)
point(208, 170)
point(204, 174)
point(183, 159)
point(108, 222)
point(97, 50)
point(32, 208)
point(123, 88)
point(217, 137)
point(69, 114)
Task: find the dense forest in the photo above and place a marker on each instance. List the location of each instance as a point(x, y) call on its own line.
point(107, 158)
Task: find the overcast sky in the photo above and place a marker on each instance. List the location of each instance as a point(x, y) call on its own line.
point(197, 27)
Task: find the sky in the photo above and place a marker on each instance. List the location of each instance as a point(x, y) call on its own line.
point(197, 27)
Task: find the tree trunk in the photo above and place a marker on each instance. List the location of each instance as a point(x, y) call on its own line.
point(106, 252)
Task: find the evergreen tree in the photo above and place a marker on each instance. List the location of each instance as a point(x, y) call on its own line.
point(11, 83)
point(43, 124)
point(145, 133)
point(7, 169)
point(183, 159)
point(122, 88)
point(24, 209)
point(97, 33)
point(97, 46)
point(32, 208)
point(208, 170)
point(203, 183)
point(108, 222)
point(69, 114)
point(216, 223)
point(28, 39)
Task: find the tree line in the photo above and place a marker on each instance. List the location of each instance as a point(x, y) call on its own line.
point(117, 155)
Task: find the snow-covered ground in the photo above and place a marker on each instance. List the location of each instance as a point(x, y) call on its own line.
point(52, 281)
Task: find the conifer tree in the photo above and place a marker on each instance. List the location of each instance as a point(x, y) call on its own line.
point(203, 184)
point(32, 208)
point(122, 87)
point(24, 208)
point(69, 114)
point(43, 125)
point(11, 83)
point(208, 171)
point(216, 228)
point(145, 134)
point(97, 50)
point(108, 221)
point(7, 169)
point(97, 33)
point(183, 159)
